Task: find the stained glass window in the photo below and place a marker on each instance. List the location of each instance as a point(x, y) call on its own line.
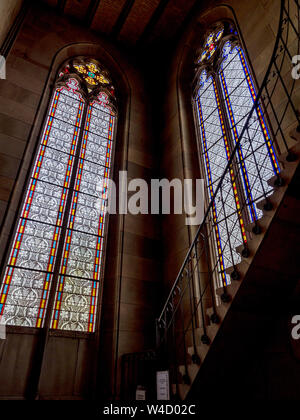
point(224, 96)
point(58, 244)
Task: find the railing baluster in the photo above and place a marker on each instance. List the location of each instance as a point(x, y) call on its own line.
point(277, 120)
point(195, 356)
point(204, 337)
point(287, 94)
point(214, 317)
point(185, 377)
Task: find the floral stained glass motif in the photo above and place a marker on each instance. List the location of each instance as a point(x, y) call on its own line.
point(211, 45)
point(60, 233)
point(92, 74)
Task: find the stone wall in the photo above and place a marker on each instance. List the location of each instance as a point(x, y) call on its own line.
point(9, 10)
point(132, 274)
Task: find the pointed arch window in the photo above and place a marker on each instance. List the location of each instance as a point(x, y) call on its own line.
point(55, 264)
point(223, 97)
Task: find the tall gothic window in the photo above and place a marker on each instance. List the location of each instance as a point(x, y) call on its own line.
point(55, 264)
point(223, 97)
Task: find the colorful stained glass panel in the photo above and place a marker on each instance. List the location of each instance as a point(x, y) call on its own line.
point(38, 231)
point(82, 258)
point(256, 150)
point(226, 220)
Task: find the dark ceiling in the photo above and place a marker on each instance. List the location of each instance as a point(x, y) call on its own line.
point(132, 22)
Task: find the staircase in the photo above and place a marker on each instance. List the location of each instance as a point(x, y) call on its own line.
point(228, 331)
point(220, 329)
point(267, 278)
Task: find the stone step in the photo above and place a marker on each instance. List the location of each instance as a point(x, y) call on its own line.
point(254, 243)
point(201, 351)
point(231, 289)
point(294, 150)
point(210, 332)
point(240, 249)
point(241, 268)
point(263, 223)
point(192, 371)
point(273, 199)
point(221, 311)
point(277, 196)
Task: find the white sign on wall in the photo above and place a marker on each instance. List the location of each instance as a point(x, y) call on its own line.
point(140, 394)
point(2, 328)
point(163, 385)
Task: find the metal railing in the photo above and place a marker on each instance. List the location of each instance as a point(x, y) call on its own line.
point(182, 325)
